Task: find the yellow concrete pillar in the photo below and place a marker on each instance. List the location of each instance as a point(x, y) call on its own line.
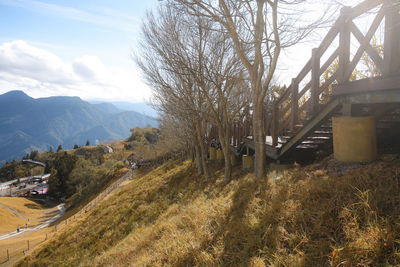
point(233, 159)
point(247, 162)
point(220, 155)
point(213, 153)
point(354, 139)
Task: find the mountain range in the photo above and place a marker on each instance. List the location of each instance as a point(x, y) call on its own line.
point(28, 124)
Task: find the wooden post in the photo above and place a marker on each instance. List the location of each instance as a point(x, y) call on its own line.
point(344, 45)
point(295, 104)
point(315, 69)
point(391, 61)
point(275, 124)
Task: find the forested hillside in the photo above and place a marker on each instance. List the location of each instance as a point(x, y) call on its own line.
point(28, 124)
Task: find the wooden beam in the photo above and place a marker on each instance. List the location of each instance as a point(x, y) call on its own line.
point(367, 85)
point(309, 127)
point(363, 8)
point(344, 44)
point(315, 80)
point(392, 37)
point(295, 104)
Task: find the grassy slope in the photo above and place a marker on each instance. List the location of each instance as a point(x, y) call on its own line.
point(301, 217)
point(10, 224)
point(25, 208)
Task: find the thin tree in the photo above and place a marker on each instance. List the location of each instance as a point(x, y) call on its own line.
point(259, 31)
point(173, 90)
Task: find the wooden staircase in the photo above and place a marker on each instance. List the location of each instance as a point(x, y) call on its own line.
point(300, 120)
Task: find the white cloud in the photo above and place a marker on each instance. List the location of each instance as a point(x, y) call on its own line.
point(41, 73)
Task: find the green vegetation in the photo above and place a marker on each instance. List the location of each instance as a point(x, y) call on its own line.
point(13, 170)
point(81, 174)
point(299, 217)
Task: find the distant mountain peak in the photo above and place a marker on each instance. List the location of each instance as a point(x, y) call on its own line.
point(15, 97)
point(15, 93)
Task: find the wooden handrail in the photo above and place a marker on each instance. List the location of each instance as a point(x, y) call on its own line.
point(283, 114)
point(286, 108)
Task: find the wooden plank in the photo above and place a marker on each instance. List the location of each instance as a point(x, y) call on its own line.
point(328, 82)
point(315, 80)
point(375, 97)
point(309, 127)
point(329, 61)
point(367, 85)
point(303, 72)
point(344, 44)
point(365, 44)
point(330, 36)
point(305, 89)
point(363, 8)
point(295, 104)
point(360, 50)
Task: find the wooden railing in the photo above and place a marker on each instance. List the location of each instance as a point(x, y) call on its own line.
point(312, 87)
point(302, 100)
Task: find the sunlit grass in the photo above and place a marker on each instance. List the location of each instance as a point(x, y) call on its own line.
point(298, 217)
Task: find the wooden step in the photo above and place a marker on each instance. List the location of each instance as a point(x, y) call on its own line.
point(312, 142)
point(324, 138)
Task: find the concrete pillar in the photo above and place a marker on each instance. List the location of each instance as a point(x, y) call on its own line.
point(354, 139)
point(220, 155)
point(213, 153)
point(247, 162)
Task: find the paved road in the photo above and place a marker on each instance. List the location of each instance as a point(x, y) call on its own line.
point(60, 207)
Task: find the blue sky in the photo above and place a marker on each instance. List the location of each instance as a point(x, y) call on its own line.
point(72, 47)
point(83, 48)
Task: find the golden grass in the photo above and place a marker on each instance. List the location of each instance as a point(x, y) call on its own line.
point(30, 212)
point(298, 217)
point(8, 221)
point(26, 207)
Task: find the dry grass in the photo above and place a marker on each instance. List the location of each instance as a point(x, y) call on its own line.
point(9, 221)
point(298, 217)
point(27, 209)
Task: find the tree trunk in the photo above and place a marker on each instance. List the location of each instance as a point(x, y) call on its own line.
point(197, 156)
point(203, 150)
point(259, 141)
point(224, 136)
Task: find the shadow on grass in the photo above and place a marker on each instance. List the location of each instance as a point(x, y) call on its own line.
point(241, 239)
point(33, 206)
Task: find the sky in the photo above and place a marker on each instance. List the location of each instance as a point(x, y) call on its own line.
point(72, 47)
point(83, 48)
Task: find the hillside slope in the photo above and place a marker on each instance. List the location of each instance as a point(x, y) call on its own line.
point(301, 217)
point(28, 124)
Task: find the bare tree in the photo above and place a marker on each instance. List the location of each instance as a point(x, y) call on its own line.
point(259, 31)
point(224, 86)
point(175, 92)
